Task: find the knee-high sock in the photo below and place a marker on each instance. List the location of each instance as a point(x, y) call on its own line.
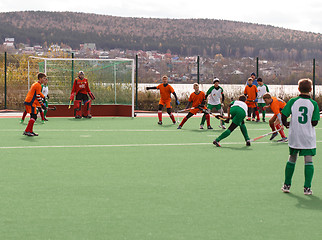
point(172, 118)
point(203, 119)
point(257, 114)
point(208, 119)
point(160, 116)
point(223, 135)
point(308, 174)
point(183, 121)
point(42, 115)
point(30, 125)
point(289, 170)
point(244, 132)
point(281, 132)
point(24, 115)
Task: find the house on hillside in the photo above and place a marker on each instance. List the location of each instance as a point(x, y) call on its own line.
point(9, 43)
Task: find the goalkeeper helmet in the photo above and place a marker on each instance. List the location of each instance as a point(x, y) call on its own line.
point(216, 80)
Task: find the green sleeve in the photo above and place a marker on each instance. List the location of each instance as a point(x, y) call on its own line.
point(267, 90)
point(210, 90)
point(287, 110)
point(316, 112)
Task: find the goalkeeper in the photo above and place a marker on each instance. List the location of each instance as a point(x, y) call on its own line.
point(44, 90)
point(216, 99)
point(237, 111)
point(81, 89)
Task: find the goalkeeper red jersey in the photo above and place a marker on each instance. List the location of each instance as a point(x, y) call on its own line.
point(80, 86)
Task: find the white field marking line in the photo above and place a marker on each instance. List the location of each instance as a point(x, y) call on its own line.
point(126, 145)
point(116, 130)
point(135, 145)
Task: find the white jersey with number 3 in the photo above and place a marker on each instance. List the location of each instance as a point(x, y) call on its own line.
point(301, 133)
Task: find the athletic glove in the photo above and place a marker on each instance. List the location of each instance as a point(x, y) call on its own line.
point(287, 125)
point(72, 96)
point(44, 107)
point(91, 95)
point(177, 102)
point(47, 96)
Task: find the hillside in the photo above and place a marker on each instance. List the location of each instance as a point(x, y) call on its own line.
point(205, 37)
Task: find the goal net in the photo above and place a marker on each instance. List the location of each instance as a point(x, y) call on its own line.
point(111, 80)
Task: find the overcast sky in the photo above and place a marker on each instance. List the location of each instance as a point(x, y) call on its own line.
point(292, 14)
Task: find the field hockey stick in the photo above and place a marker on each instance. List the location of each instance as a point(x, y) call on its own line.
point(70, 103)
point(52, 108)
point(266, 134)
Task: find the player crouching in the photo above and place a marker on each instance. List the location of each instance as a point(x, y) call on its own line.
point(237, 111)
point(197, 100)
point(81, 88)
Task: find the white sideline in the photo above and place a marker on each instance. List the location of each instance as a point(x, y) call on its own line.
point(125, 145)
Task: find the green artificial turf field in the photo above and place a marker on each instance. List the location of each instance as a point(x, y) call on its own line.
point(123, 178)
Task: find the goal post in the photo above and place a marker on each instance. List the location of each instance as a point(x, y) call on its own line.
point(111, 80)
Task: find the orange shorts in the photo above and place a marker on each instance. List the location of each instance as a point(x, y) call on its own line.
point(251, 104)
point(165, 102)
point(31, 109)
point(196, 110)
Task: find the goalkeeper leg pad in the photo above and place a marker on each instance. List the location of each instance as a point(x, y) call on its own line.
point(78, 109)
point(87, 109)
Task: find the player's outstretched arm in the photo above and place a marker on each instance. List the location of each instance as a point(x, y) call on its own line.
point(149, 88)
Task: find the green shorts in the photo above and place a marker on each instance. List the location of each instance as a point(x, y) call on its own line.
point(303, 152)
point(217, 107)
point(237, 114)
point(261, 104)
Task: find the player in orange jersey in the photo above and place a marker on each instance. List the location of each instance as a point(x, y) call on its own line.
point(32, 101)
point(165, 92)
point(81, 89)
point(251, 94)
point(197, 102)
point(276, 105)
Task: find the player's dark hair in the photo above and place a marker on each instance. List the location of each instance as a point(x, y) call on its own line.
point(267, 96)
point(242, 98)
point(41, 75)
point(305, 85)
point(259, 80)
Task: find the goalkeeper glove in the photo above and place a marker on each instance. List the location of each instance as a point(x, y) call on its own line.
point(71, 96)
point(177, 102)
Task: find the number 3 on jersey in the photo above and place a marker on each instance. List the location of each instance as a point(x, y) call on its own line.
point(303, 118)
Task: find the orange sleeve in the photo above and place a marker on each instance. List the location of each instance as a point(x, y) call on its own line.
point(245, 90)
point(190, 98)
point(171, 89)
point(158, 87)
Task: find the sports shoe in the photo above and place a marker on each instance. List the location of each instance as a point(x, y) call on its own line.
point(264, 120)
point(89, 116)
point(29, 134)
point(46, 119)
point(209, 127)
point(201, 126)
point(273, 136)
point(216, 143)
point(78, 117)
point(34, 134)
point(223, 126)
point(308, 191)
point(248, 119)
point(42, 121)
point(21, 121)
point(160, 122)
point(248, 143)
point(286, 188)
point(283, 140)
point(179, 127)
point(258, 120)
point(253, 119)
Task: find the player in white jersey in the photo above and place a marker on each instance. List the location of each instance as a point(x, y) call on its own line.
point(215, 100)
point(237, 112)
point(302, 140)
point(44, 90)
point(262, 89)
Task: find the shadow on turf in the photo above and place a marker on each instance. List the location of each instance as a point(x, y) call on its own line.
point(243, 148)
point(308, 202)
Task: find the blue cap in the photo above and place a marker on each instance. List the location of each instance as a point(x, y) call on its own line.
point(253, 74)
